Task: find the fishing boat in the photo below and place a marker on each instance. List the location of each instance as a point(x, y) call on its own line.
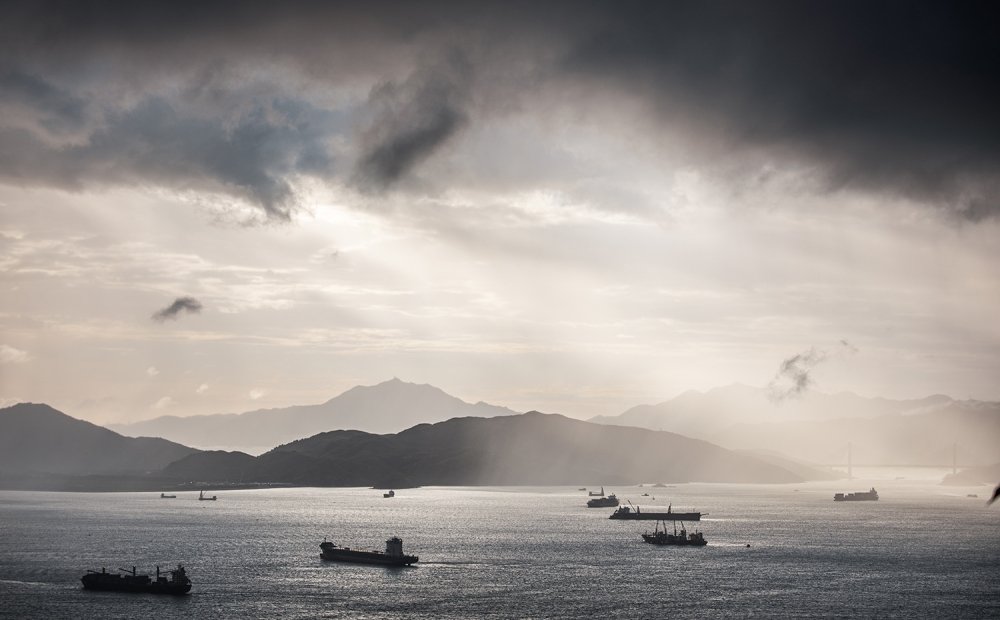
point(679, 538)
point(130, 581)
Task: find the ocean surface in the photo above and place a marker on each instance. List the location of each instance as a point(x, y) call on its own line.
point(923, 551)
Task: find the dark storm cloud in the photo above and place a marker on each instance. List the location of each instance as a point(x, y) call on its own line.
point(181, 304)
point(251, 153)
point(57, 108)
point(891, 96)
point(411, 120)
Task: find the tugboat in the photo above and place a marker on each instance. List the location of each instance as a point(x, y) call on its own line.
point(603, 502)
point(860, 496)
point(204, 498)
point(626, 512)
point(678, 539)
point(391, 493)
point(132, 582)
point(393, 555)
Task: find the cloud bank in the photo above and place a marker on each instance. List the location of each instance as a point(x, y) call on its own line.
point(890, 97)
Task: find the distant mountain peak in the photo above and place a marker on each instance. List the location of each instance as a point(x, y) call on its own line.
point(384, 408)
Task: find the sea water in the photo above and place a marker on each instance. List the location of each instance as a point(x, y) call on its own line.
point(775, 551)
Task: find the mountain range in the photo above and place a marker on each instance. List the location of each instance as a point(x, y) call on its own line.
point(388, 407)
point(35, 438)
point(44, 448)
point(818, 427)
point(524, 449)
point(733, 434)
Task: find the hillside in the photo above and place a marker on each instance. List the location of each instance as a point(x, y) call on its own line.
point(526, 449)
point(388, 407)
point(818, 427)
point(35, 438)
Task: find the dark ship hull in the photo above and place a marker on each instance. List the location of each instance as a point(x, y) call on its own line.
point(638, 515)
point(683, 539)
point(137, 584)
point(333, 553)
point(861, 496)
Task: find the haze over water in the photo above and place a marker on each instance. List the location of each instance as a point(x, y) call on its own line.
point(922, 551)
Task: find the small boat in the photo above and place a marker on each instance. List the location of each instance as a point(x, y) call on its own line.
point(165, 496)
point(603, 502)
point(582, 489)
point(860, 496)
point(973, 495)
point(393, 555)
point(645, 494)
point(205, 498)
point(596, 493)
point(391, 493)
point(126, 581)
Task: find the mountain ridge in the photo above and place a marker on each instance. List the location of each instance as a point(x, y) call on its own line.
point(818, 427)
point(522, 449)
point(387, 407)
point(35, 437)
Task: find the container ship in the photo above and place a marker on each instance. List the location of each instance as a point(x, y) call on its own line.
point(860, 496)
point(626, 512)
point(393, 555)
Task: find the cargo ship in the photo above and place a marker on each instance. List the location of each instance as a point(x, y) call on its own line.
point(626, 512)
point(595, 493)
point(126, 581)
point(860, 496)
point(603, 502)
point(393, 555)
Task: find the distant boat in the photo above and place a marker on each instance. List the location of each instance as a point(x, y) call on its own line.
point(391, 493)
point(860, 496)
point(679, 538)
point(202, 497)
point(645, 494)
point(132, 582)
point(626, 512)
point(582, 489)
point(972, 495)
point(603, 502)
point(596, 493)
point(165, 496)
point(393, 555)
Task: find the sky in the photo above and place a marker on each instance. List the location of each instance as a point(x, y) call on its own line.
point(574, 207)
